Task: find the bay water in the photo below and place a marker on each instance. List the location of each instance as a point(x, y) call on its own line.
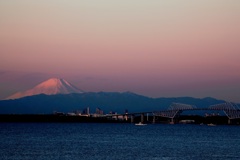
point(93, 141)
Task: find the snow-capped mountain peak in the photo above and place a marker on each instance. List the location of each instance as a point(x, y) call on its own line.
point(48, 87)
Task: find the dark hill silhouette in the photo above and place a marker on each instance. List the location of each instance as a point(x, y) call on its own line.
point(107, 101)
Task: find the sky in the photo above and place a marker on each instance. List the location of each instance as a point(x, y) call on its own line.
point(155, 48)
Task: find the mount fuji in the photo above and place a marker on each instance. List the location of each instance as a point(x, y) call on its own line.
point(51, 86)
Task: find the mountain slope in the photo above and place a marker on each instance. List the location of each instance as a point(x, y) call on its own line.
point(49, 87)
point(107, 101)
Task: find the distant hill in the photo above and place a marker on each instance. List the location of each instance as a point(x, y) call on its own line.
point(107, 101)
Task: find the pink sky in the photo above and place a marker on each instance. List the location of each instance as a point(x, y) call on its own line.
point(155, 48)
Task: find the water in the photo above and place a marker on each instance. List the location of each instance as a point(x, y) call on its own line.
point(117, 141)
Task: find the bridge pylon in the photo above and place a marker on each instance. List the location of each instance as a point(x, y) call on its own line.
point(154, 119)
point(142, 118)
point(132, 118)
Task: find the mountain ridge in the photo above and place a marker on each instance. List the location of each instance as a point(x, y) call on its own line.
point(107, 101)
point(57, 94)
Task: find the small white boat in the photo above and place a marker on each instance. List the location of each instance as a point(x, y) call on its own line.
point(140, 124)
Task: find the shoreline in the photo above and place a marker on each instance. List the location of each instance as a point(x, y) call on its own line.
point(48, 118)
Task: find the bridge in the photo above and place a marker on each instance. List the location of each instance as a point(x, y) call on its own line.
point(231, 110)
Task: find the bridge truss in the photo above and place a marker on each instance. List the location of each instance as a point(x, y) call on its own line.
point(174, 110)
point(231, 110)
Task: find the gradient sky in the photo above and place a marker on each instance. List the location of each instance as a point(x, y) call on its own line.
point(155, 48)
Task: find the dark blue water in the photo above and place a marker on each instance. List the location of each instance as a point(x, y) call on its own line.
point(118, 141)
